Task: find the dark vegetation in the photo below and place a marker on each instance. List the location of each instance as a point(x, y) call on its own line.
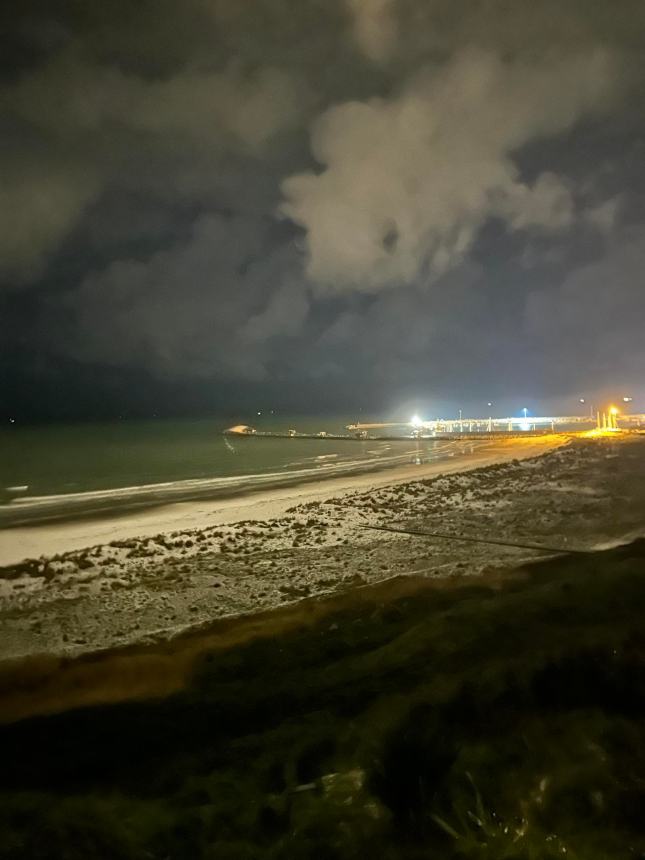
point(466, 722)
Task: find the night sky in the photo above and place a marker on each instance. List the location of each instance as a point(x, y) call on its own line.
point(320, 205)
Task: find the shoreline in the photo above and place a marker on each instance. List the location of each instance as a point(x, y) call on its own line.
point(55, 537)
point(120, 501)
point(263, 553)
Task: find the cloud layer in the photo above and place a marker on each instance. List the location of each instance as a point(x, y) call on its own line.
point(375, 27)
point(408, 182)
point(356, 195)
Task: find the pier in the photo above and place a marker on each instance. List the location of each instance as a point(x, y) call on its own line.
point(461, 426)
point(456, 428)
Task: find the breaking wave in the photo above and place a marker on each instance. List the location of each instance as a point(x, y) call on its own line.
point(38, 508)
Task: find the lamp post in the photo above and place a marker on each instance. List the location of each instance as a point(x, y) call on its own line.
point(613, 412)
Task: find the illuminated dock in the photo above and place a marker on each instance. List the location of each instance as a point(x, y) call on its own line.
point(417, 426)
point(458, 428)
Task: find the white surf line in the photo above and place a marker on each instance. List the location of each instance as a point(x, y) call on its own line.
point(64, 504)
point(56, 537)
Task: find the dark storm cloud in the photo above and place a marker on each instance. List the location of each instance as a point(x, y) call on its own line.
point(208, 306)
point(593, 318)
point(305, 191)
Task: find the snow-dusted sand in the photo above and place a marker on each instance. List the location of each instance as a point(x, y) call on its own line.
point(139, 578)
point(55, 538)
point(134, 596)
point(147, 577)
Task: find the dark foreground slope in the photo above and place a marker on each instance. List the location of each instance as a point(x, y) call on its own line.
point(472, 722)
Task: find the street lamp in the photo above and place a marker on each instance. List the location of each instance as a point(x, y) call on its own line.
point(613, 412)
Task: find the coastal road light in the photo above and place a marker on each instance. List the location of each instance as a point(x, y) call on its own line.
point(613, 412)
point(416, 421)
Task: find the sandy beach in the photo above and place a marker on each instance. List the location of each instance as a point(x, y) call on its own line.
point(146, 578)
point(54, 538)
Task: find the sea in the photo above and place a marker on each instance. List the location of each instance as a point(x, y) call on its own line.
point(63, 471)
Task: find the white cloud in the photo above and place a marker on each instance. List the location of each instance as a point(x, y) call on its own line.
point(604, 215)
point(408, 182)
point(548, 204)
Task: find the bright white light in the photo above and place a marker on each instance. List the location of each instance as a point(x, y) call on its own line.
point(525, 425)
point(416, 421)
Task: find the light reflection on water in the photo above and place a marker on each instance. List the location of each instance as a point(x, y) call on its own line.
point(41, 461)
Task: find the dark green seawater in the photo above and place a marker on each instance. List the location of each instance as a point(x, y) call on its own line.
point(71, 468)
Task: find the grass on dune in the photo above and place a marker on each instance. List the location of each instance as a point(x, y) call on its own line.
point(476, 722)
